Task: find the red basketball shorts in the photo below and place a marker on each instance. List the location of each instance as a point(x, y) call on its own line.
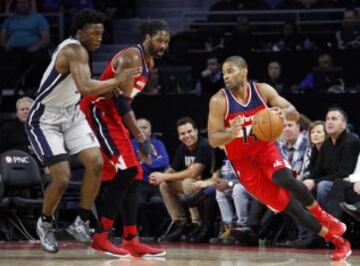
point(255, 173)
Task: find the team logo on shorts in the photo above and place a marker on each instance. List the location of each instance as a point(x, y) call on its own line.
point(92, 137)
point(278, 163)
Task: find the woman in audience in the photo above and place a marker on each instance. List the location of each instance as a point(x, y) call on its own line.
point(317, 136)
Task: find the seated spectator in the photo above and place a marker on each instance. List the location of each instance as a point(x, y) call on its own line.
point(294, 145)
point(229, 194)
point(275, 79)
point(149, 195)
point(337, 156)
point(192, 162)
point(317, 136)
point(324, 78)
point(344, 192)
point(25, 38)
point(211, 77)
point(12, 134)
point(349, 34)
point(336, 160)
point(289, 39)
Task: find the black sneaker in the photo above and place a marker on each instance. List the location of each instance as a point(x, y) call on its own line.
point(80, 230)
point(352, 209)
point(46, 233)
point(175, 232)
point(245, 235)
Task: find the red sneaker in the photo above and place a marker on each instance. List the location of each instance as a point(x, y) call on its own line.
point(138, 249)
point(102, 243)
point(332, 224)
point(342, 250)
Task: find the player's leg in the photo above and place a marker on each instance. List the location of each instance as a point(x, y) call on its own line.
point(111, 203)
point(47, 140)
point(60, 174)
point(284, 178)
point(92, 162)
point(129, 210)
point(300, 215)
point(80, 140)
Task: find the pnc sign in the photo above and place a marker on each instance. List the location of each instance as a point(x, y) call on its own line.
point(17, 159)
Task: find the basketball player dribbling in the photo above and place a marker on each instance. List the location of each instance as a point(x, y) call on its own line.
point(56, 126)
point(259, 164)
point(107, 116)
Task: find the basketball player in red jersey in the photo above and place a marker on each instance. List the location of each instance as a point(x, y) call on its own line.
point(121, 168)
point(259, 164)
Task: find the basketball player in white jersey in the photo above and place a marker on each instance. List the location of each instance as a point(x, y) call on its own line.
point(56, 127)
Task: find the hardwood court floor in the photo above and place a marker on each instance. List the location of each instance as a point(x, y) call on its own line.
point(75, 254)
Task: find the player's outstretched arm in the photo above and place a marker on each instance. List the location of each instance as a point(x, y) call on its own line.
point(78, 64)
point(275, 100)
point(218, 134)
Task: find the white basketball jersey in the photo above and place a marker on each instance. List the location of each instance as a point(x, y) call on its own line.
point(57, 89)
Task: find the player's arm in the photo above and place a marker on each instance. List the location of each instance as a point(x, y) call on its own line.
point(217, 133)
point(75, 59)
point(130, 58)
point(145, 146)
point(275, 100)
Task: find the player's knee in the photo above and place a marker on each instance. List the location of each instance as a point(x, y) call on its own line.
point(62, 181)
point(283, 178)
point(95, 164)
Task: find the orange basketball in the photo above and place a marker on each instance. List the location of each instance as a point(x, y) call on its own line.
point(266, 125)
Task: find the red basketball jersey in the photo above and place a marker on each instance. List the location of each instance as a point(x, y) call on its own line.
point(140, 81)
point(246, 143)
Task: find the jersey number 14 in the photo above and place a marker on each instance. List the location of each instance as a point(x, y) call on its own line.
point(246, 133)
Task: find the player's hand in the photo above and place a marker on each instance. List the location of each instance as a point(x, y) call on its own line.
point(310, 184)
point(122, 77)
point(198, 185)
point(156, 178)
point(278, 111)
point(236, 125)
point(146, 149)
point(357, 188)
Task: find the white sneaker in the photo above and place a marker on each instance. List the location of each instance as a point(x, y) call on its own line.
point(46, 233)
point(80, 230)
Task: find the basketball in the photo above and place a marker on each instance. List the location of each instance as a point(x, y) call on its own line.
point(266, 125)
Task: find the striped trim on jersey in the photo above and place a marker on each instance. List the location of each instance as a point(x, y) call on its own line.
point(34, 132)
point(102, 133)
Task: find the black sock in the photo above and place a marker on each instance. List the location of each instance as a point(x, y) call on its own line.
point(46, 218)
point(84, 214)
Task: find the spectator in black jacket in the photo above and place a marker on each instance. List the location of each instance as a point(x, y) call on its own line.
point(337, 156)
